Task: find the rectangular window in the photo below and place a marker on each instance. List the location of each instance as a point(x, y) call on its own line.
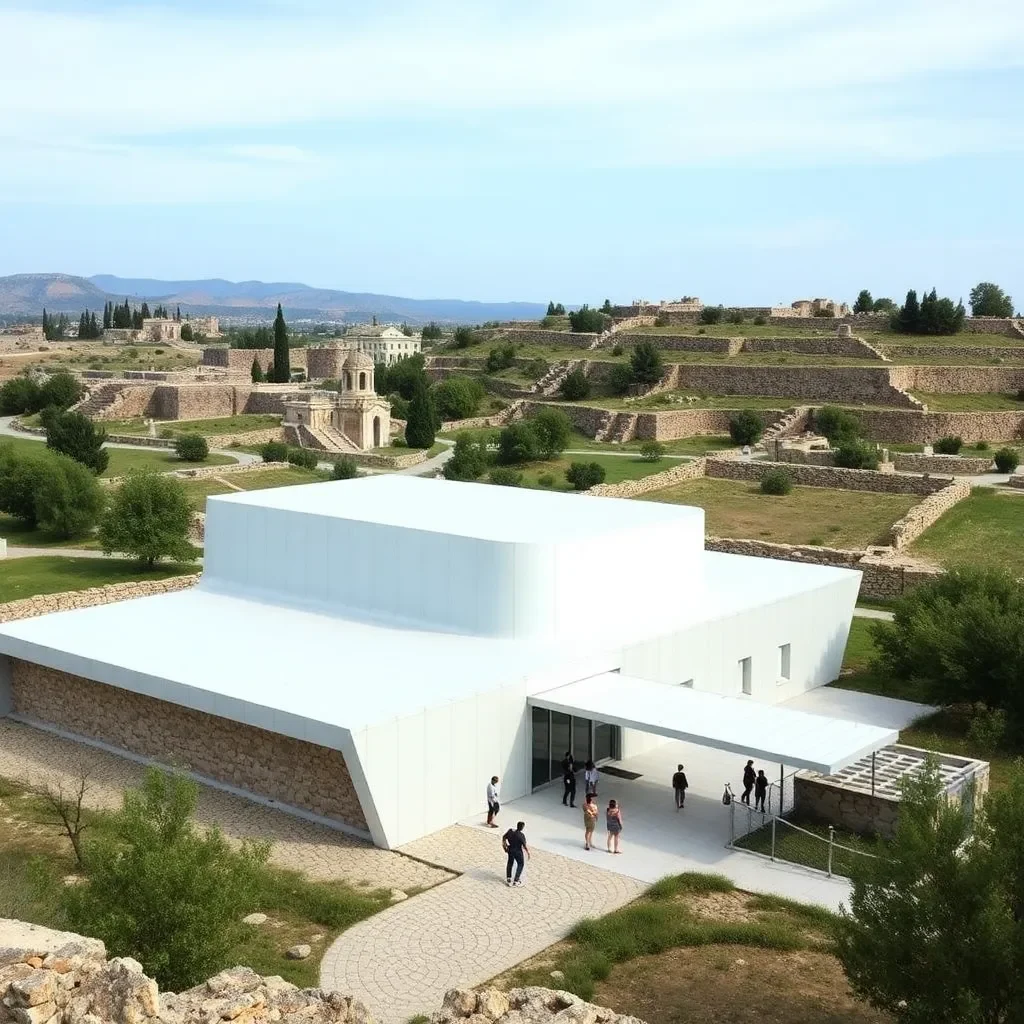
point(745, 680)
point(784, 663)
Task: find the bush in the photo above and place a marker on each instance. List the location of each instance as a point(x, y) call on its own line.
point(746, 427)
point(345, 468)
point(552, 428)
point(535, 368)
point(518, 443)
point(645, 362)
point(856, 455)
point(1006, 460)
point(620, 379)
point(661, 320)
point(501, 358)
point(981, 446)
point(457, 397)
point(149, 517)
point(304, 458)
point(736, 317)
point(711, 315)
point(399, 442)
point(759, 321)
point(575, 386)
point(420, 423)
point(651, 451)
point(838, 425)
point(586, 320)
point(274, 451)
point(584, 475)
point(162, 891)
point(187, 334)
point(505, 477)
point(19, 395)
point(432, 332)
point(546, 480)
point(61, 390)
point(192, 447)
point(21, 476)
point(75, 435)
point(463, 337)
point(776, 481)
point(68, 498)
point(256, 371)
point(948, 445)
point(617, 349)
point(469, 460)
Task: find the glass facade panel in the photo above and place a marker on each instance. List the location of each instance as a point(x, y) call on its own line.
point(561, 741)
point(581, 738)
point(541, 755)
point(605, 741)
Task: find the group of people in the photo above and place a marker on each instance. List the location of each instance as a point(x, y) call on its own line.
point(756, 782)
point(591, 811)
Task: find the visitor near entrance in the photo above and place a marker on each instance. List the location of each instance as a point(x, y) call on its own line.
point(513, 842)
point(569, 779)
point(760, 791)
point(749, 778)
point(492, 801)
point(590, 812)
point(590, 779)
point(613, 825)
point(680, 785)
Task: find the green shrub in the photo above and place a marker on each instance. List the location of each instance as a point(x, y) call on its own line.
point(838, 425)
point(981, 446)
point(469, 460)
point(61, 390)
point(274, 451)
point(575, 386)
point(546, 480)
point(646, 364)
point(399, 442)
point(1006, 460)
point(553, 429)
point(500, 358)
point(620, 379)
point(73, 434)
point(746, 427)
point(759, 321)
point(712, 315)
point(661, 320)
point(457, 397)
point(149, 518)
point(68, 498)
point(518, 443)
point(651, 451)
point(421, 423)
point(617, 349)
point(345, 468)
point(948, 445)
point(535, 368)
point(19, 395)
point(506, 477)
point(736, 317)
point(21, 475)
point(584, 475)
point(463, 337)
point(776, 481)
point(192, 447)
point(586, 320)
point(304, 458)
point(856, 455)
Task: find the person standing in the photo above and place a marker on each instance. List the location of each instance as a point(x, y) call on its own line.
point(493, 806)
point(749, 778)
point(590, 779)
point(568, 780)
point(513, 842)
point(590, 812)
point(680, 785)
point(760, 791)
point(613, 824)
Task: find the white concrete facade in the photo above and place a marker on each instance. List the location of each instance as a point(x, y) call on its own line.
point(418, 617)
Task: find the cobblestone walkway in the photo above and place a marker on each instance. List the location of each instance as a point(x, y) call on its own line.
point(401, 961)
point(35, 757)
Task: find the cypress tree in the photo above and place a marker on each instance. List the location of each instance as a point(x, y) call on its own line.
point(419, 426)
point(282, 366)
point(94, 330)
point(83, 325)
point(177, 314)
point(257, 371)
point(46, 325)
point(106, 315)
point(909, 317)
point(145, 310)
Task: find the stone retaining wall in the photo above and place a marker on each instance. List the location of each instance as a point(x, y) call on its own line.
point(852, 347)
point(905, 531)
point(206, 472)
point(43, 604)
point(959, 380)
point(956, 465)
point(241, 358)
point(1016, 481)
point(797, 456)
point(561, 339)
point(828, 476)
point(909, 427)
point(246, 437)
point(655, 482)
point(993, 325)
point(894, 351)
point(683, 342)
point(293, 771)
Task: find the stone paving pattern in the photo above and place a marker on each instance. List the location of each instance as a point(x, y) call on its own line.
point(31, 756)
point(401, 961)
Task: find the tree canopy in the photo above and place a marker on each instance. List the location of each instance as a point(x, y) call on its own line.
point(149, 518)
point(586, 320)
point(282, 371)
point(646, 364)
point(74, 434)
point(864, 303)
point(988, 299)
point(931, 316)
point(420, 425)
point(457, 397)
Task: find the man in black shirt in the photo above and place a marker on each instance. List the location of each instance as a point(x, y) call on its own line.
point(568, 780)
point(749, 778)
point(513, 842)
point(680, 785)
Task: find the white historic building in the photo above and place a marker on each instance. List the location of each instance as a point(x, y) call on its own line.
point(383, 344)
point(372, 651)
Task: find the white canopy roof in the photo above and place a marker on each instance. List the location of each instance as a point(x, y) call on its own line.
point(736, 724)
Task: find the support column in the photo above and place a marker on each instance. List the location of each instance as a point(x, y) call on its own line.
point(6, 688)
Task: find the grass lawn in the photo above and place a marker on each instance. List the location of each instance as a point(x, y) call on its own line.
point(52, 574)
point(208, 427)
point(199, 490)
point(971, 403)
point(697, 445)
point(807, 515)
point(17, 534)
point(811, 850)
point(887, 338)
point(695, 949)
point(617, 468)
point(984, 529)
point(298, 908)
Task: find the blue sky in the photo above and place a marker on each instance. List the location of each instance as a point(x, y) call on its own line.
point(747, 153)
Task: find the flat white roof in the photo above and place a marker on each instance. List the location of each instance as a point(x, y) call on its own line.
point(737, 724)
point(505, 514)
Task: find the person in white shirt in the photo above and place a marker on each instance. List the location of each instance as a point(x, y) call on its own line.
point(590, 779)
point(492, 801)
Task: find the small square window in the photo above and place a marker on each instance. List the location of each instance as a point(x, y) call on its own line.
point(784, 663)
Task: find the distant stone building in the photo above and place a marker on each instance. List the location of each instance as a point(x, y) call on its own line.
point(815, 307)
point(383, 344)
point(161, 329)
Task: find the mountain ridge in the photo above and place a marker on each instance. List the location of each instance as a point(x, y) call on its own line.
point(29, 293)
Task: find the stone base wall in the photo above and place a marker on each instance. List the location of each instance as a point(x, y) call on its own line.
point(670, 426)
point(291, 771)
point(959, 380)
point(246, 437)
point(993, 325)
point(829, 476)
point(241, 358)
point(798, 457)
point(852, 348)
point(683, 342)
point(655, 482)
point(905, 531)
point(208, 472)
point(817, 801)
point(1016, 481)
point(849, 384)
point(955, 465)
point(561, 339)
point(130, 402)
point(907, 427)
point(967, 352)
point(43, 604)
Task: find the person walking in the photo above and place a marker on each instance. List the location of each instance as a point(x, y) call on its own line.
point(513, 842)
point(680, 786)
point(493, 806)
point(760, 791)
point(568, 780)
point(590, 812)
point(749, 778)
point(590, 779)
point(613, 824)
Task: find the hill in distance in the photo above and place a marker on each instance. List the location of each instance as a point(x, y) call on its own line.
point(27, 294)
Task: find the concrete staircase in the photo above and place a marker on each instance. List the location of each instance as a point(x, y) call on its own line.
point(605, 427)
point(101, 399)
point(624, 427)
point(549, 384)
point(794, 421)
point(325, 439)
point(634, 321)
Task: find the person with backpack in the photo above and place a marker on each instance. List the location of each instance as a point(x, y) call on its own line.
point(760, 791)
point(680, 786)
point(749, 778)
point(513, 842)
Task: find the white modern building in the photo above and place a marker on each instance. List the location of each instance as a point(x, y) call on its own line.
point(372, 651)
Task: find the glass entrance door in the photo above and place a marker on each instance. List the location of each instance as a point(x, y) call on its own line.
point(554, 733)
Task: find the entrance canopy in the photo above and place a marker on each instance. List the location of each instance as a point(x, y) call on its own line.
point(736, 724)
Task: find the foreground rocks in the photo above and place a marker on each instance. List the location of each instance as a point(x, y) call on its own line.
point(52, 981)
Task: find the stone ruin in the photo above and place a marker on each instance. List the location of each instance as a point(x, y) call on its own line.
point(60, 978)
